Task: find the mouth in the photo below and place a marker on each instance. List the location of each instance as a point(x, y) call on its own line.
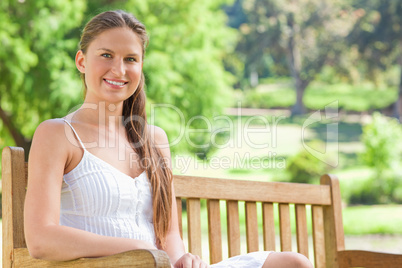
point(115, 83)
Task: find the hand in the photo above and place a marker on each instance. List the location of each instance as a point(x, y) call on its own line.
point(189, 260)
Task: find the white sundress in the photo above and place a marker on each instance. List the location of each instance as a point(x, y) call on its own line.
point(98, 198)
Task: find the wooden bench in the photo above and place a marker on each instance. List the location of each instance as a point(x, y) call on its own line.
point(323, 201)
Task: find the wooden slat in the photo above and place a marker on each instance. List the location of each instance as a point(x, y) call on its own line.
point(301, 229)
point(134, 258)
point(318, 236)
point(333, 226)
point(268, 226)
point(179, 215)
point(232, 213)
point(251, 227)
point(284, 228)
point(214, 231)
point(13, 189)
point(361, 258)
point(276, 192)
point(194, 226)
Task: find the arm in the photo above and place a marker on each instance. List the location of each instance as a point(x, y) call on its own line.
point(174, 244)
point(46, 239)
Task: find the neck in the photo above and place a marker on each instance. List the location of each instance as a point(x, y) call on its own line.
point(102, 114)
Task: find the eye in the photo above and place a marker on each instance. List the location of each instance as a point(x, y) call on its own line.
point(130, 59)
point(106, 55)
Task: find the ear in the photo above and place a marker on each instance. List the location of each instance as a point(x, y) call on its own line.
point(80, 61)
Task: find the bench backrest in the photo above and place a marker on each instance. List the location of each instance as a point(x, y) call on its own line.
point(261, 202)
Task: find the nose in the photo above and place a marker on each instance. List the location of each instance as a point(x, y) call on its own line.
point(118, 67)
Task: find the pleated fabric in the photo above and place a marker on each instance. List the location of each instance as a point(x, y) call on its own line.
point(98, 198)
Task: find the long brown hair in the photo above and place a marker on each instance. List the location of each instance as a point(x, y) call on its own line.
point(135, 122)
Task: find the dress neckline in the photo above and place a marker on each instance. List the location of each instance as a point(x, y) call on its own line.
point(103, 162)
point(95, 157)
point(110, 165)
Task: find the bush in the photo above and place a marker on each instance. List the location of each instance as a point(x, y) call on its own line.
point(382, 142)
point(383, 153)
point(386, 190)
point(284, 97)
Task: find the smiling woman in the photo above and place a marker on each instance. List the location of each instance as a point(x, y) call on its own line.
point(114, 68)
point(100, 179)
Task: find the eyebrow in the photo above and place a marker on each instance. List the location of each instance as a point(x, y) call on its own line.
point(111, 51)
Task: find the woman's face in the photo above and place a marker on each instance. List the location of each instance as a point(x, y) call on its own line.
point(112, 65)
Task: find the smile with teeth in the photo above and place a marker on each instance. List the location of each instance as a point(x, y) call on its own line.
point(115, 83)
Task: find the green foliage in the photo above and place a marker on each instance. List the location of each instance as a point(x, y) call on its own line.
point(299, 37)
point(183, 65)
point(376, 34)
point(383, 152)
point(306, 168)
point(377, 190)
point(269, 99)
point(382, 142)
point(37, 67)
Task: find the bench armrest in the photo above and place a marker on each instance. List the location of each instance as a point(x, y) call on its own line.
point(368, 259)
point(133, 258)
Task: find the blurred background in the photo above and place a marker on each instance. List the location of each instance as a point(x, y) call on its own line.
point(222, 67)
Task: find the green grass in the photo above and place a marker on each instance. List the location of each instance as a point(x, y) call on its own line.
point(378, 219)
point(352, 98)
point(276, 94)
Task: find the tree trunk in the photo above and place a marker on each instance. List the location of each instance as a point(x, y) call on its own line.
point(300, 86)
point(295, 66)
point(19, 139)
point(397, 111)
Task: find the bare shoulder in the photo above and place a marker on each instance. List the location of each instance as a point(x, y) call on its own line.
point(51, 141)
point(52, 131)
point(158, 135)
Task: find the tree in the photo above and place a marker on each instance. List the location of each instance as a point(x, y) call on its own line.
point(378, 37)
point(306, 34)
point(38, 78)
point(39, 81)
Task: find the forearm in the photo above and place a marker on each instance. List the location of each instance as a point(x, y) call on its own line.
point(174, 247)
point(66, 243)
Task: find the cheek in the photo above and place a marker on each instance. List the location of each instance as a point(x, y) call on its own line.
point(136, 73)
point(97, 70)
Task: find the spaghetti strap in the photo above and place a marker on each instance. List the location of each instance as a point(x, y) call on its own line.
point(83, 147)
